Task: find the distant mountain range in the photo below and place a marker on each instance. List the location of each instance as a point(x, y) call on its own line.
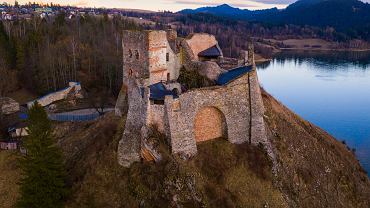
point(340, 14)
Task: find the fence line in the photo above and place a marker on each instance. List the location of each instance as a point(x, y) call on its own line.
point(73, 117)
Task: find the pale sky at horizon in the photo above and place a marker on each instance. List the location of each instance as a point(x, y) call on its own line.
point(172, 5)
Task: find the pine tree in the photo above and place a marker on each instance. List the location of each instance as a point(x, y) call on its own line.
point(43, 183)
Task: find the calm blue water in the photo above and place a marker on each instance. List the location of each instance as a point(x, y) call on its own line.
point(330, 89)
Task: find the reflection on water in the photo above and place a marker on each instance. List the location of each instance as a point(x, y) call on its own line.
point(330, 89)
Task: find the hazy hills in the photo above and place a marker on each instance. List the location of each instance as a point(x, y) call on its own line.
point(340, 14)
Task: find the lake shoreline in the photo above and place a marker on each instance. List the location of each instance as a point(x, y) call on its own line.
point(325, 49)
point(300, 79)
point(259, 59)
point(313, 44)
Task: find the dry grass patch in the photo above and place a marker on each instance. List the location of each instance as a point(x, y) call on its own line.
point(235, 176)
point(9, 177)
point(210, 179)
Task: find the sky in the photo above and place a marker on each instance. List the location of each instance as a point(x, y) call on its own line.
point(171, 5)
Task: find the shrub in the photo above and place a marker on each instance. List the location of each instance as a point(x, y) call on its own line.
point(192, 79)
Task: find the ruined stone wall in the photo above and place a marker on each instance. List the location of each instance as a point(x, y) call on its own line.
point(130, 144)
point(173, 63)
point(171, 35)
point(174, 85)
point(156, 117)
point(121, 106)
point(232, 100)
point(186, 52)
point(73, 89)
point(200, 42)
point(157, 56)
point(173, 48)
point(135, 54)
point(258, 128)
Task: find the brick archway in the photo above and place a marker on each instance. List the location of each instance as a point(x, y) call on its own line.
point(209, 123)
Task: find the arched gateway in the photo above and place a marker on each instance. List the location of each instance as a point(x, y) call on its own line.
point(209, 123)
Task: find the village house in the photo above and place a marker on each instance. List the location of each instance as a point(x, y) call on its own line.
point(18, 130)
point(10, 117)
point(9, 145)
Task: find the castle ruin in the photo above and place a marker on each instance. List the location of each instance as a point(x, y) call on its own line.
point(230, 107)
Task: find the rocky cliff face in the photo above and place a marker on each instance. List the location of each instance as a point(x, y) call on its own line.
point(314, 169)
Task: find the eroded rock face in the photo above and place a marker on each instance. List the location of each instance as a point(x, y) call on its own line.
point(127, 150)
point(211, 70)
point(208, 69)
point(8, 106)
point(191, 48)
point(314, 169)
point(200, 42)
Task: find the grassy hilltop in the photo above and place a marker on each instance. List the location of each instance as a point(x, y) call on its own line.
point(314, 170)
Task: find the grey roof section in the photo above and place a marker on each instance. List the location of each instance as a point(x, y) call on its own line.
point(213, 51)
point(233, 74)
point(158, 91)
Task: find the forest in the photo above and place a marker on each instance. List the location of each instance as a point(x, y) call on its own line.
point(43, 55)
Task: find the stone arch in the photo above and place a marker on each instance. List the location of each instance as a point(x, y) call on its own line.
point(209, 123)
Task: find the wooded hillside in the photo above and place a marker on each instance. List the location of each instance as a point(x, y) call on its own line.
point(45, 54)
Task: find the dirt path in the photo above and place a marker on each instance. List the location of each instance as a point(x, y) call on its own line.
point(87, 111)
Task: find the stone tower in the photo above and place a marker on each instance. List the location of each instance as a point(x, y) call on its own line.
point(148, 55)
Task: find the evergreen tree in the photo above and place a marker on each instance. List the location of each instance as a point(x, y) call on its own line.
point(43, 183)
point(7, 50)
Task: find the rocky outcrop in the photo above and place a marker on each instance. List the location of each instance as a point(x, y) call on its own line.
point(8, 106)
point(198, 43)
point(208, 69)
point(190, 49)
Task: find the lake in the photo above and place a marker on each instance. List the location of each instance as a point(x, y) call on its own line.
point(329, 89)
